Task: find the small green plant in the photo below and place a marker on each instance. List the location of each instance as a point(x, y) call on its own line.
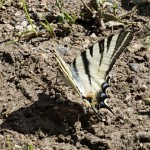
point(8, 144)
point(1, 3)
point(25, 147)
point(28, 16)
point(30, 147)
point(69, 18)
point(59, 4)
point(48, 26)
point(63, 15)
point(115, 8)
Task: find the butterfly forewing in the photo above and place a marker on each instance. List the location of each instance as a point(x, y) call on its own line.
point(66, 73)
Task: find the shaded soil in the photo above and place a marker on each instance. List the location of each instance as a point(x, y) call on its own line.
point(37, 110)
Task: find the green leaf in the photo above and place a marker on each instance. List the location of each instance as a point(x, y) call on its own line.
point(61, 18)
point(68, 17)
point(30, 147)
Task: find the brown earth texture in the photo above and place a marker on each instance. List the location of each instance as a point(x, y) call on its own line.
point(38, 111)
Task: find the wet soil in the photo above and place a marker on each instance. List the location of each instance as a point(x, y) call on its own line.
point(37, 108)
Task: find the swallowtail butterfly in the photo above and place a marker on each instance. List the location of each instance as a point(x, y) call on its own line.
point(88, 73)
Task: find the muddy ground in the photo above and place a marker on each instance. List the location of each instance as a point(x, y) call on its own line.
point(36, 110)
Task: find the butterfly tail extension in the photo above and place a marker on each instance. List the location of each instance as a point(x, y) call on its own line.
point(104, 105)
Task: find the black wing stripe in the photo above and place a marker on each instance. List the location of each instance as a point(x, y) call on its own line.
point(101, 46)
point(125, 38)
point(91, 51)
point(86, 64)
point(109, 39)
point(101, 51)
point(75, 67)
point(123, 41)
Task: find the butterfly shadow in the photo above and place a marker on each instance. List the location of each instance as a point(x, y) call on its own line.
point(47, 116)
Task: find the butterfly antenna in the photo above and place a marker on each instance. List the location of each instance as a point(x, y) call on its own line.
point(98, 115)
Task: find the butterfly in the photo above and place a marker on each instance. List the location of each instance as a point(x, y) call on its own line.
point(88, 74)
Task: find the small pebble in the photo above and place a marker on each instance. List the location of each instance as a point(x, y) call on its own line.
point(29, 27)
point(128, 96)
point(133, 66)
point(139, 118)
point(24, 23)
point(121, 121)
point(66, 39)
point(109, 145)
point(19, 4)
point(63, 50)
point(3, 7)
point(146, 100)
point(143, 88)
point(87, 41)
point(9, 27)
point(18, 13)
point(19, 27)
point(78, 145)
point(86, 45)
point(138, 58)
point(93, 35)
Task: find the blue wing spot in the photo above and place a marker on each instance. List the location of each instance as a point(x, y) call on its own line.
point(104, 86)
point(103, 96)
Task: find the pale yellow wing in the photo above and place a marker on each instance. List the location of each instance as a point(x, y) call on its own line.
point(66, 73)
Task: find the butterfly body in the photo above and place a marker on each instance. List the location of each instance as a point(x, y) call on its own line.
point(88, 74)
